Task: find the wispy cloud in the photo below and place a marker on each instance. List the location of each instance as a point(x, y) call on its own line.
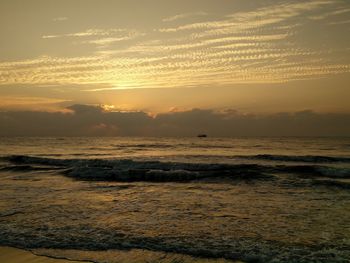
point(257, 46)
point(108, 40)
point(254, 19)
point(90, 33)
point(99, 37)
point(33, 103)
point(330, 14)
point(182, 16)
point(105, 41)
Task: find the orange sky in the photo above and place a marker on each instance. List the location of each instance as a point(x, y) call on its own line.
point(252, 56)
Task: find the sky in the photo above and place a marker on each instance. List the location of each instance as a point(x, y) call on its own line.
point(161, 57)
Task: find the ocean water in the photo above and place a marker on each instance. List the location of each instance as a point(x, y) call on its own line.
point(177, 199)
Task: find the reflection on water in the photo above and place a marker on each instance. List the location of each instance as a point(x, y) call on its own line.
point(174, 149)
point(284, 217)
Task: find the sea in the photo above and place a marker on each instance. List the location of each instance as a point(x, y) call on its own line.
point(121, 199)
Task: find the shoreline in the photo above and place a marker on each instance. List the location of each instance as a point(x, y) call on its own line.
point(16, 255)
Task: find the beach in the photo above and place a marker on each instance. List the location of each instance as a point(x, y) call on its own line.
point(14, 255)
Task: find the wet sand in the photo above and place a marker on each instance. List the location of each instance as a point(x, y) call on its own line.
point(128, 256)
point(14, 255)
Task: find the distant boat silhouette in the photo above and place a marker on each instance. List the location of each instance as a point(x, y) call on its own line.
point(202, 136)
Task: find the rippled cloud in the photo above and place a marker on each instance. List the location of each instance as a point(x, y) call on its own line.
point(264, 45)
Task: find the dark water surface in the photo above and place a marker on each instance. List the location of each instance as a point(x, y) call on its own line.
point(252, 199)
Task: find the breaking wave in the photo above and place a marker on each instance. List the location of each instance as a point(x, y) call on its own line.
point(125, 170)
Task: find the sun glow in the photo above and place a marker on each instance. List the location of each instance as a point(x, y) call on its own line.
point(106, 107)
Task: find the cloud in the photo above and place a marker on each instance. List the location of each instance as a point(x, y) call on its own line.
point(253, 46)
point(182, 16)
point(110, 40)
point(330, 14)
point(89, 33)
point(86, 120)
point(253, 19)
point(34, 103)
point(85, 109)
point(99, 37)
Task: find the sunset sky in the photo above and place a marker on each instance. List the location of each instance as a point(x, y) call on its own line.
point(161, 55)
point(158, 56)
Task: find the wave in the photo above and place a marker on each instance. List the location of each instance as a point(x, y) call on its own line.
point(332, 183)
point(246, 249)
point(146, 145)
point(167, 145)
point(124, 170)
point(27, 168)
point(315, 159)
point(263, 157)
point(299, 158)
